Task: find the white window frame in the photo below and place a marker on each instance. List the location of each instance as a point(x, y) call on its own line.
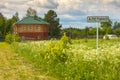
point(37, 27)
point(31, 27)
point(23, 27)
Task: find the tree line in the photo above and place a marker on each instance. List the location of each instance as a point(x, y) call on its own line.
point(6, 24)
point(90, 32)
point(55, 31)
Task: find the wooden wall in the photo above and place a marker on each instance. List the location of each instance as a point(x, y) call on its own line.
point(33, 33)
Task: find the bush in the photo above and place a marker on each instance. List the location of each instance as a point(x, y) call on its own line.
point(57, 52)
point(86, 40)
point(106, 37)
point(9, 38)
point(65, 40)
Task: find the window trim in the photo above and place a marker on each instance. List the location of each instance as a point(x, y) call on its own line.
point(23, 27)
point(31, 27)
point(37, 27)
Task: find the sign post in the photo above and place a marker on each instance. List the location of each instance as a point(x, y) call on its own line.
point(97, 19)
point(97, 37)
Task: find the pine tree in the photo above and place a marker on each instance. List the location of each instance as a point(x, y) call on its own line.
point(31, 12)
point(54, 25)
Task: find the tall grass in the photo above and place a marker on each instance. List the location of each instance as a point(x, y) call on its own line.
point(73, 60)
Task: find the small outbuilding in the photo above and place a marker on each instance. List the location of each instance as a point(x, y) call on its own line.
point(31, 28)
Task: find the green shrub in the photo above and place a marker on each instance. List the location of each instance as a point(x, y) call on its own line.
point(57, 52)
point(9, 38)
point(86, 40)
point(65, 40)
point(106, 37)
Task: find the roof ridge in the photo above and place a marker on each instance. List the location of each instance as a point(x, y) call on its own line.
point(22, 19)
point(31, 20)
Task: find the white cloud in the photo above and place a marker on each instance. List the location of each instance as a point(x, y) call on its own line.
point(50, 4)
point(69, 11)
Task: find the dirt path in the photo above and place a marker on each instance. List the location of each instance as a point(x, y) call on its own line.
point(14, 67)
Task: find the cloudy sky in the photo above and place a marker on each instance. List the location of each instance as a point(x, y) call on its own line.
point(71, 12)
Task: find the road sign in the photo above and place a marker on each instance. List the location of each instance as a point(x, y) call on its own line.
point(97, 18)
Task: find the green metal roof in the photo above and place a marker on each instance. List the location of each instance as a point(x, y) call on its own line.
point(31, 20)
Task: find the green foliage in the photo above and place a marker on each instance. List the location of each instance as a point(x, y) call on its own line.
point(57, 51)
point(74, 32)
point(86, 39)
point(7, 24)
point(106, 37)
point(2, 25)
point(116, 25)
point(117, 32)
point(31, 12)
point(106, 27)
point(106, 24)
point(86, 32)
point(78, 62)
point(65, 40)
point(54, 25)
point(10, 38)
point(92, 31)
point(15, 17)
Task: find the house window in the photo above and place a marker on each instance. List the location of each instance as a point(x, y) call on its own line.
point(37, 28)
point(31, 27)
point(23, 27)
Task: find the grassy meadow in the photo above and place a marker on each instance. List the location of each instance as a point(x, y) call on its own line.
point(67, 59)
point(15, 67)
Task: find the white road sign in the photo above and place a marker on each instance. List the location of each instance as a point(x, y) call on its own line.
point(97, 18)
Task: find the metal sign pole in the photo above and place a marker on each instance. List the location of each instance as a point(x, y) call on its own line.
point(97, 37)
